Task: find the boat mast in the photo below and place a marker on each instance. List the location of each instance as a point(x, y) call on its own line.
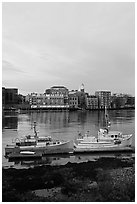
point(35, 132)
point(107, 118)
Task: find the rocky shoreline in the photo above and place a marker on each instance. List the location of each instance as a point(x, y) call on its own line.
point(103, 180)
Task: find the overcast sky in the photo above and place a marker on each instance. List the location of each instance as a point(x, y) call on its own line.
point(46, 44)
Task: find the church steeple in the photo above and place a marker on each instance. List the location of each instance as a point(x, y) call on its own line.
point(82, 87)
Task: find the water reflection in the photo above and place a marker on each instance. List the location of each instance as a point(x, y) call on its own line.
point(55, 119)
point(123, 115)
point(64, 159)
point(9, 120)
point(63, 119)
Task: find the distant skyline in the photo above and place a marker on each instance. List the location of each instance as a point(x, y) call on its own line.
point(47, 44)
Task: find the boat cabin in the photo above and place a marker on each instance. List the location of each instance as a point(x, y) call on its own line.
point(115, 134)
point(32, 140)
point(110, 134)
point(44, 139)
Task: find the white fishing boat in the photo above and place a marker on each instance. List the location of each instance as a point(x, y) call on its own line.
point(105, 140)
point(96, 144)
point(34, 143)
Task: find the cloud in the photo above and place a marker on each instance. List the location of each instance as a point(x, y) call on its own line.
point(69, 43)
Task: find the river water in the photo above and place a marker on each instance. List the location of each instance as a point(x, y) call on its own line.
point(62, 125)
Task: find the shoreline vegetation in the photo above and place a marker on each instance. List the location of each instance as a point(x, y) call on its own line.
point(110, 179)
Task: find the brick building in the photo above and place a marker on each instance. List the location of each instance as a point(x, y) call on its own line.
point(73, 100)
point(92, 102)
point(104, 99)
point(9, 96)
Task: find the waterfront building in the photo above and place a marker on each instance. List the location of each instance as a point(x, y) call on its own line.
point(41, 99)
point(118, 101)
point(53, 98)
point(122, 101)
point(91, 102)
point(81, 97)
point(3, 97)
point(31, 98)
point(9, 97)
point(130, 101)
point(104, 99)
point(57, 97)
point(21, 99)
point(36, 100)
point(73, 100)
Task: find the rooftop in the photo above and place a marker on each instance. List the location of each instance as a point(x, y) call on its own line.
point(56, 87)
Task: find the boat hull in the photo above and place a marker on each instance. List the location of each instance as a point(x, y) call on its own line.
point(112, 149)
point(64, 147)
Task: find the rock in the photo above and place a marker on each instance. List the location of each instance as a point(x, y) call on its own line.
point(93, 185)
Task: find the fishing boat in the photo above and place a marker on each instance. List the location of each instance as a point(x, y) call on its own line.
point(34, 143)
point(105, 140)
point(114, 141)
